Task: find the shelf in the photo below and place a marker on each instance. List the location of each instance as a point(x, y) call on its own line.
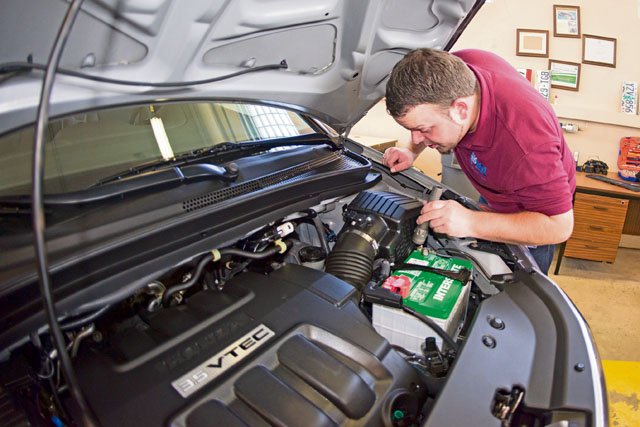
point(597, 116)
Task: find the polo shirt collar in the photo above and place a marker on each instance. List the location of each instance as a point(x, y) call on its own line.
point(483, 137)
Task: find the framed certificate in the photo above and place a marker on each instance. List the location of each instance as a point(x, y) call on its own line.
point(598, 50)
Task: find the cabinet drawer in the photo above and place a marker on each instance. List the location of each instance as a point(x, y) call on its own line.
point(598, 226)
point(600, 210)
point(578, 247)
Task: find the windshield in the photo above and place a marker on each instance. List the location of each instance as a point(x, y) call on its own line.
point(83, 148)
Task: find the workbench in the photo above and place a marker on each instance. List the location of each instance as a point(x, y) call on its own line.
point(602, 213)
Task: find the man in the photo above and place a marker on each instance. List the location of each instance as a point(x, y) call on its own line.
point(505, 137)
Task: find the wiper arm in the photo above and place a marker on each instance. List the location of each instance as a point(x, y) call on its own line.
point(180, 160)
point(217, 150)
point(157, 179)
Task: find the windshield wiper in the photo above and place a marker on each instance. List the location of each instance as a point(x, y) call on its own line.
point(188, 167)
point(156, 179)
point(200, 155)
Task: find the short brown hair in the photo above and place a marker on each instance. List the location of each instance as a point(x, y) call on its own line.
point(428, 76)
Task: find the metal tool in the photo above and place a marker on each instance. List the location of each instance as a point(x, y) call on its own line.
point(421, 231)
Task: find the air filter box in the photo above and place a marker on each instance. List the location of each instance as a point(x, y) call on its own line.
point(388, 218)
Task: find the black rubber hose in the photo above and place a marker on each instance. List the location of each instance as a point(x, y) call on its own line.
point(351, 259)
point(197, 273)
point(251, 255)
point(433, 325)
point(321, 234)
point(195, 277)
point(74, 324)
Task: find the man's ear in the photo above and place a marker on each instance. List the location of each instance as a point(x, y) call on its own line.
point(460, 110)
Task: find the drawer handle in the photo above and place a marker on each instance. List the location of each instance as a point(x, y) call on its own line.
point(600, 208)
point(596, 227)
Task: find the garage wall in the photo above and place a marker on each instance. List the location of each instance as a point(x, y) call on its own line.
point(594, 108)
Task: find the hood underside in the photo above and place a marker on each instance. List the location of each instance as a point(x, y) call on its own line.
point(338, 53)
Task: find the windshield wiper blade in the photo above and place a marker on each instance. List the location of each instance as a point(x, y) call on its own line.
point(201, 154)
point(180, 160)
point(158, 179)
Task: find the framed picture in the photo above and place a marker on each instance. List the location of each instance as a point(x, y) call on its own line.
point(598, 50)
point(532, 43)
point(566, 21)
point(564, 75)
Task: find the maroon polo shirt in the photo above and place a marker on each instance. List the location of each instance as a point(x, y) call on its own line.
point(517, 158)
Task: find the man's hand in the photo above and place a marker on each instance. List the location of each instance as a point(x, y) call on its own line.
point(448, 217)
point(398, 159)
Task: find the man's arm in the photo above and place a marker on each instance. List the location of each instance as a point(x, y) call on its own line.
point(526, 228)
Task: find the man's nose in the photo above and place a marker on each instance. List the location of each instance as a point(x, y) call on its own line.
point(417, 137)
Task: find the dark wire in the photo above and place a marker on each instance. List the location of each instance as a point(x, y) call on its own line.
point(433, 325)
point(88, 416)
point(14, 67)
point(465, 255)
point(76, 323)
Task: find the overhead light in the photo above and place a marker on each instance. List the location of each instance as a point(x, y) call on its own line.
point(161, 138)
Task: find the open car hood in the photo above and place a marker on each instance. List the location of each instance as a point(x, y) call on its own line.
point(338, 53)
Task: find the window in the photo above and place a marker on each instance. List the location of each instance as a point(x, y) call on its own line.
point(271, 122)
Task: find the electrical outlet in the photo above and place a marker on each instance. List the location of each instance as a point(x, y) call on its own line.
point(576, 155)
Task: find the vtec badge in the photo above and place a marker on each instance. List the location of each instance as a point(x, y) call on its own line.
point(221, 362)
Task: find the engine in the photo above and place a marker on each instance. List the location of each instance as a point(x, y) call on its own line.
point(271, 330)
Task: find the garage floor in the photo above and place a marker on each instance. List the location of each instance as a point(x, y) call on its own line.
point(608, 295)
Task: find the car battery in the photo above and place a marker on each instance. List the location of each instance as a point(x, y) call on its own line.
point(440, 298)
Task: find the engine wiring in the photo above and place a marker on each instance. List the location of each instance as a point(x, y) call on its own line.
point(433, 325)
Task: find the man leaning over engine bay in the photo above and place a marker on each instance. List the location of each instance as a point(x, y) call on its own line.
point(506, 138)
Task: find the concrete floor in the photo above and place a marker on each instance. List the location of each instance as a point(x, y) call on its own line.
point(608, 296)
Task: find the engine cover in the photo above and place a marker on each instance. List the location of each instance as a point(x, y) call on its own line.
point(289, 348)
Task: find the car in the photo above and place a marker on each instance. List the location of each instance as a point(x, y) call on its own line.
point(219, 252)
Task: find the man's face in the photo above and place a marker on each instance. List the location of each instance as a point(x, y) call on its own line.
point(433, 126)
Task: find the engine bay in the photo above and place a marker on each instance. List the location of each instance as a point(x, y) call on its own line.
point(279, 328)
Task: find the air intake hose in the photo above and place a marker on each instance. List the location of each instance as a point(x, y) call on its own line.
point(352, 257)
point(357, 246)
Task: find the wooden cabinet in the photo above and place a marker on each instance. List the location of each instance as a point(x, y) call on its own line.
point(598, 224)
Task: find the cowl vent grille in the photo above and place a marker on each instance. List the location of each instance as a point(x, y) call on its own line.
point(331, 163)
